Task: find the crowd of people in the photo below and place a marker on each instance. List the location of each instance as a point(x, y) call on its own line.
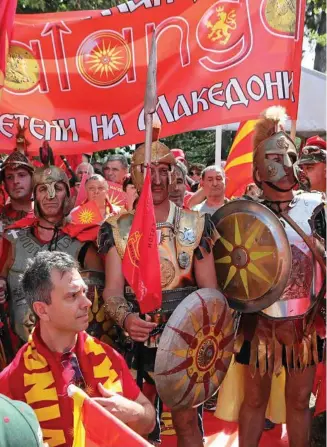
point(46, 301)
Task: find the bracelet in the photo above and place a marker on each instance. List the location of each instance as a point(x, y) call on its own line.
point(117, 309)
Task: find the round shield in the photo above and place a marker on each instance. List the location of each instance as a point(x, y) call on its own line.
point(99, 326)
point(195, 350)
point(252, 257)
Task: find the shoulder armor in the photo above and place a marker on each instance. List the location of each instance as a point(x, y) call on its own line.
point(121, 225)
point(190, 228)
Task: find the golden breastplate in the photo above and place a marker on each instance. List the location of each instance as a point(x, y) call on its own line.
point(177, 240)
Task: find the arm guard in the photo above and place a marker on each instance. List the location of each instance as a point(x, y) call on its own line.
point(117, 308)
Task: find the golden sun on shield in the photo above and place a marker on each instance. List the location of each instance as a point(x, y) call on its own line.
point(245, 254)
point(86, 216)
point(105, 60)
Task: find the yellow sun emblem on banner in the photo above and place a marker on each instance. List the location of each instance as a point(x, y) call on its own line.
point(104, 58)
point(86, 216)
point(246, 257)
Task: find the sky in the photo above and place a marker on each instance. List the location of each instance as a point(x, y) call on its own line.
point(309, 54)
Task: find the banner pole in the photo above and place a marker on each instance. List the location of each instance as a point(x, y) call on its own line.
point(219, 131)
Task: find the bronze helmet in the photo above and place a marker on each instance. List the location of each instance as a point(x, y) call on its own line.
point(17, 160)
point(160, 153)
point(270, 138)
point(50, 176)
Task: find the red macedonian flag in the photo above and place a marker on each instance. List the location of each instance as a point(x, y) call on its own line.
point(238, 167)
point(7, 14)
point(96, 427)
point(85, 222)
point(141, 265)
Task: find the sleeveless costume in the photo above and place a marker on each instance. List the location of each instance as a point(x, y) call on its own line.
point(179, 241)
point(281, 338)
point(278, 335)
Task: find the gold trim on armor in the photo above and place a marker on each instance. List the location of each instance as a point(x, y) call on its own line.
point(117, 309)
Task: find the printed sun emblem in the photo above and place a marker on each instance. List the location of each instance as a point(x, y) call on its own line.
point(114, 199)
point(245, 258)
point(89, 390)
point(86, 216)
point(107, 60)
point(208, 353)
point(103, 58)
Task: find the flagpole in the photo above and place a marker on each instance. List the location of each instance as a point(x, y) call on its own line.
point(150, 104)
point(150, 100)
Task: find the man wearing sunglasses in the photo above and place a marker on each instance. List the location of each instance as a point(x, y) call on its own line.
point(59, 352)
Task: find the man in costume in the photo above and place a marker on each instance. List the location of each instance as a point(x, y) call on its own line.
point(42, 232)
point(312, 160)
point(284, 334)
point(59, 352)
point(16, 174)
point(185, 241)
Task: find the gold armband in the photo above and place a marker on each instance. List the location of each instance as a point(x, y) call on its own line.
point(117, 309)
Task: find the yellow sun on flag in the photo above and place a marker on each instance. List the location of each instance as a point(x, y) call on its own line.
point(106, 60)
point(246, 254)
point(86, 216)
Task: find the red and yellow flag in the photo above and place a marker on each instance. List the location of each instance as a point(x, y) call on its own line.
point(96, 427)
point(7, 14)
point(238, 167)
point(85, 222)
point(141, 265)
point(116, 195)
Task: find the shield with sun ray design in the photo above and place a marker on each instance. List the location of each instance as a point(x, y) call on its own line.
point(195, 350)
point(252, 257)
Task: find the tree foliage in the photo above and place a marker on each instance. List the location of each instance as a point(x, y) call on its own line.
point(315, 30)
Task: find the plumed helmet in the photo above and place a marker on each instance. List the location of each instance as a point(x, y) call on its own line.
point(50, 176)
point(270, 138)
point(17, 160)
point(160, 153)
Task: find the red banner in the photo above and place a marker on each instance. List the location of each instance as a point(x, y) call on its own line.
point(78, 78)
point(7, 14)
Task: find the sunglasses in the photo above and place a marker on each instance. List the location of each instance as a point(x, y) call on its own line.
point(194, 173)
point(70, 363)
